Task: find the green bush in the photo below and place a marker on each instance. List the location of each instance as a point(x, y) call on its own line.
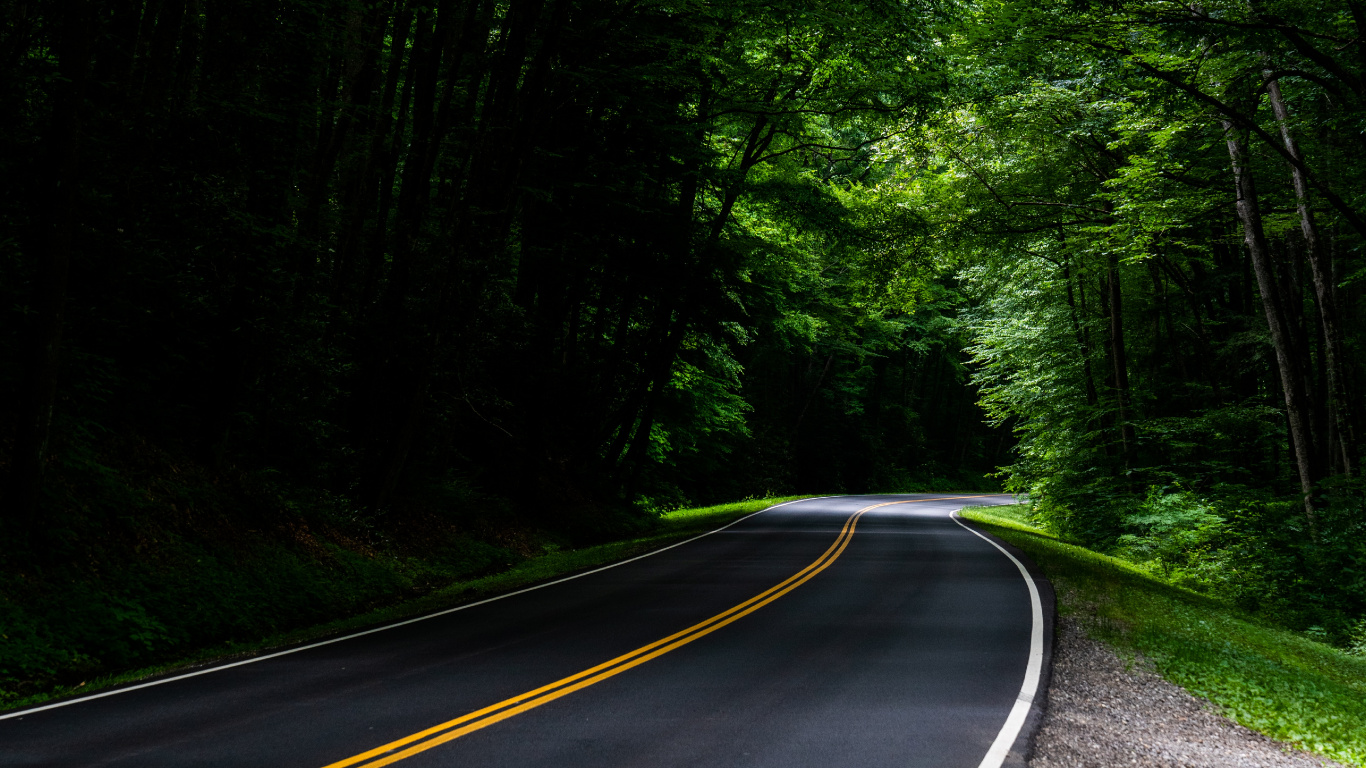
point(1174, 532)
point(1244, 545)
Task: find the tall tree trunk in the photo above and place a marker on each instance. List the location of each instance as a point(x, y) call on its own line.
point(1321, 269)
point(1288, 266)
point(391, 393)
point(806, 405)
point(1092, 399)
point(1206, 355)
point(658, 378)
point(1292, 379)
point(380, 242)
point(1119, 354)
point(1096, 422)
point(54, 218)
point(363, 192)
point(358, 71)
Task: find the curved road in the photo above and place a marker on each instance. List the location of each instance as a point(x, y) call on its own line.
point(845, 631)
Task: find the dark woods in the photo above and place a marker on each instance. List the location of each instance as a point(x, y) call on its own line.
point(584, 256)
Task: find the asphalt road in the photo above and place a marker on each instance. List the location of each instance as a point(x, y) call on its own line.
point(808, 635)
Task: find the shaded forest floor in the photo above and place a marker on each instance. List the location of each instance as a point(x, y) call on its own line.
point(1257, 673)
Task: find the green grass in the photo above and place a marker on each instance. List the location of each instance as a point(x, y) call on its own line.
point(1265, 677)
point(673, 526)
point(708, 518)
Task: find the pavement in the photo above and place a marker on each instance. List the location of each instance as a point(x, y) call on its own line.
point(843, 631)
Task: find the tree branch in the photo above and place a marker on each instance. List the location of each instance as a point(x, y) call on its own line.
point(1247, 123)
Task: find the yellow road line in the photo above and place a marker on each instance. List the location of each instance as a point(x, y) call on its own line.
point(453, 729)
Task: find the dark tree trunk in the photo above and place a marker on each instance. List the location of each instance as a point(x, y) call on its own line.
point(380, 243)
point(1320, 268)
point(362, 190)
point(1292, 377)
point(54, 218)
point(806, 405)
point(1112, 302)
point(1092, 398)
point(394, 380)
point(1206, 352)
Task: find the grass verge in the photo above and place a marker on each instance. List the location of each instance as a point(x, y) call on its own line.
point(1267, 678)
point(673, 527)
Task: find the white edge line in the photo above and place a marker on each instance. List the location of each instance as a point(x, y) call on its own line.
point(254, 659)
point(996, 755)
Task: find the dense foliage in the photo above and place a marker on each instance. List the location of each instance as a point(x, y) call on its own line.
point(1160, 206)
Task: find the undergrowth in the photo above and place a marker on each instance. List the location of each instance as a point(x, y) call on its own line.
point(1282, 683)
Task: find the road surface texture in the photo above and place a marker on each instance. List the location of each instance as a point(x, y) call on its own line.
point(845, 631)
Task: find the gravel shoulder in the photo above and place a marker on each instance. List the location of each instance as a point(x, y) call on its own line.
point(1104, 712)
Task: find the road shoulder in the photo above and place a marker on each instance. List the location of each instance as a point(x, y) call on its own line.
point(1105, 711)
point(1023, 748)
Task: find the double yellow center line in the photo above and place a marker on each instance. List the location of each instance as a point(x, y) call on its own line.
point(450, 730)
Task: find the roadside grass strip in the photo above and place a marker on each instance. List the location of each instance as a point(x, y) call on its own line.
point(450, 730)
point(673, 527)
point(1269, 679)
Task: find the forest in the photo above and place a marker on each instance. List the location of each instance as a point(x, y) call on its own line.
point(290, 288)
